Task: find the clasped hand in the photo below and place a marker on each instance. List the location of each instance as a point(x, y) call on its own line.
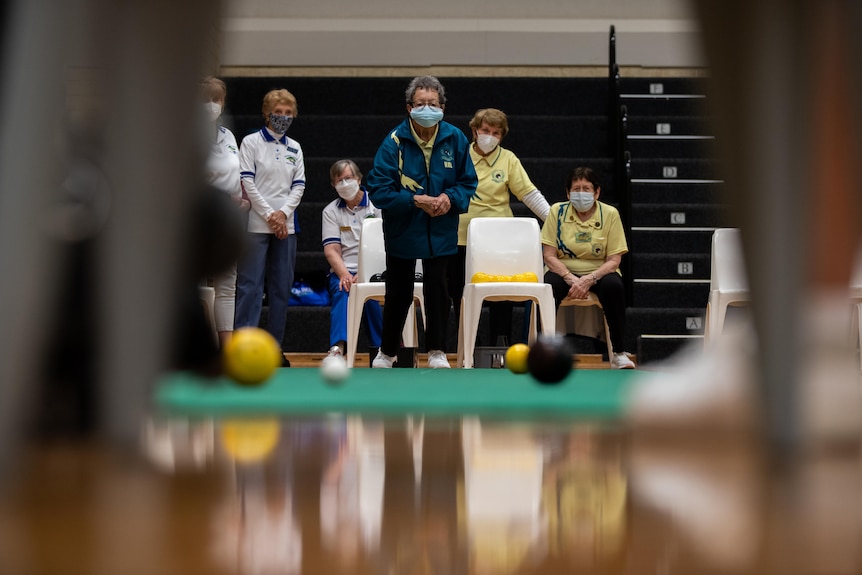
point(277, 222)
point(432, 206)
point(579, 287)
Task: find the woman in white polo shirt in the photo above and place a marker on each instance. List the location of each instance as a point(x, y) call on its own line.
point(222, 172)
point(272, 169)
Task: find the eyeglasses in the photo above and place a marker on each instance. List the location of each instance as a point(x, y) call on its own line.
point(434, 104)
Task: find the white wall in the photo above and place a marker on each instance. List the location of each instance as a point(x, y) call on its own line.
point(650, 33)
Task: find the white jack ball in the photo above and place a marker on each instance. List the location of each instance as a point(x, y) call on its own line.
point(334, 369)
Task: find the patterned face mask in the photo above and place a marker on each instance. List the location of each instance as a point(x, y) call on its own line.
point(280, 124)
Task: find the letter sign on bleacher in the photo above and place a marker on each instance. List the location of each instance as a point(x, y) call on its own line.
point(668, 171)
point(656, 88)
point(684, 268)
point(677, 218)
point(662, 129)
point(693, 323)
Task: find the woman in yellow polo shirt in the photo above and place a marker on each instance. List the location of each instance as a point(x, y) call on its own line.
point(501, 175)
point(582, 244)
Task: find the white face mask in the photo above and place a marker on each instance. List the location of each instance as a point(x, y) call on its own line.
point(212, 110)
point(582, 201)
point(347, 189)
point(487, 142)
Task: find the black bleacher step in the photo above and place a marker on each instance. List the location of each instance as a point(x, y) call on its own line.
point(670, 293)
point(655, 146)
point(356, 136)
point(675, 85)
point(665, 321)
point(549, 175)
point(670, 266)
point(310, 264)
point(653, 349)
point(671, 240)
point(647, 105)
point(385, 95)
point(671, 125)
point(679, 215)
point(675, 169)
point(667, 191)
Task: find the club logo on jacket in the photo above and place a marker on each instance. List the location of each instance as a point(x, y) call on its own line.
point(448, 157)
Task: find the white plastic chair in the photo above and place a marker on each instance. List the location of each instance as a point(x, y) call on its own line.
point(728, 283)
point(592, 300)
point(502, 246)
point(372, 260)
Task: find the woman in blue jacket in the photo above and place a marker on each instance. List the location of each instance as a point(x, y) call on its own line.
point(422, 180)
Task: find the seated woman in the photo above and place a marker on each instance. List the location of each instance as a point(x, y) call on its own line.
point(582, 244)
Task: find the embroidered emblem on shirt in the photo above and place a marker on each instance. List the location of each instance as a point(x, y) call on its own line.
point(497, 176)
point(447, 155)
point(598, 250)
point(291, 159)
point(584, 237)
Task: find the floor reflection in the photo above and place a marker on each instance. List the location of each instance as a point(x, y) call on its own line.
point(412, 495)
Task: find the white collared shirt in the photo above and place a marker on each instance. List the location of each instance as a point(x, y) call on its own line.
point(273, 177)
point(222, 166)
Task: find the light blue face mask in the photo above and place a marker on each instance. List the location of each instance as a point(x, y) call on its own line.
point(582, 201)
point(427, 116)
point(280, 124)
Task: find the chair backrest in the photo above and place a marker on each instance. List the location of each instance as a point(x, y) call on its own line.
point(504, 246)
point(372, 251)
point(728, 262)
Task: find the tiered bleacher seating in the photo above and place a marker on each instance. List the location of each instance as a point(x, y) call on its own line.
point(556, 124)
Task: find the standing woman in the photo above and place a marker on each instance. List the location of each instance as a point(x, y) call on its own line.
point(273, 177)
point(500, 175)
point(422, 180)
point(222, 172)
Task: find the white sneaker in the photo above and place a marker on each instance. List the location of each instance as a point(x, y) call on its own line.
point(621, 361)
point(437, 359)
point(383, 360)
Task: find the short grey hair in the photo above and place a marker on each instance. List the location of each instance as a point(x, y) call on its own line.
point(339, 166)
point(425, 83)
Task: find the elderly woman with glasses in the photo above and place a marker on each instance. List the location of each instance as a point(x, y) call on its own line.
point(422, 180)
point(583, 242)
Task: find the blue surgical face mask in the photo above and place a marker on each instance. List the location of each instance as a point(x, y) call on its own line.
point(582, 201)
point(427, 116)
point(280, 124)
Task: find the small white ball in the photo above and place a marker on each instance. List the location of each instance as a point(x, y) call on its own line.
point(334, 369)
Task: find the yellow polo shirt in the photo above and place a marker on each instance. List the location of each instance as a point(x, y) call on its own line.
point(426, 147)
point(583, 246)
point(500, 172)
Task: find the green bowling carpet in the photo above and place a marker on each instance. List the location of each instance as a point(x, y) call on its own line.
point(593, 393)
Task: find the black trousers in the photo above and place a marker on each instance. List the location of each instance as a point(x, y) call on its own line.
point(400, 275)
point(611, 294)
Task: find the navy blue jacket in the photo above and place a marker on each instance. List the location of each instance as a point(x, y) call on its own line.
point(399, 173)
